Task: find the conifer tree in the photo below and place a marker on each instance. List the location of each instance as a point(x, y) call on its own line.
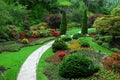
point(63, 25)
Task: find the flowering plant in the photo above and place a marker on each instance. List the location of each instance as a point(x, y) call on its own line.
point(61, 54)
point(112, 62)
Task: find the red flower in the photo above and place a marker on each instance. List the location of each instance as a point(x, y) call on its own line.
point(61, 54)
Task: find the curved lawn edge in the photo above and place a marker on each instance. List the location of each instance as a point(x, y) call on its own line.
point(97, 47)
point(42, 64)
point(12, 61)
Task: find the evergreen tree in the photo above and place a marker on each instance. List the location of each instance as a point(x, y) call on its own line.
point(84, 29)
point(63, 25)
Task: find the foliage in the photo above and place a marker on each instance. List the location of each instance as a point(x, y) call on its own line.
point(53, 20)
point(73, 24)
point(22, 35)
point(112, 62)
point(115, 49)
point(63, 25)
point(55, 33)
point(84, 44)
point(25, 41)
point(76, 13)
point(92, 18)
point(35, 34)
point(108, 25)
point(76, 66)
point(84, 29)
point(74, 45)
point(13, 32)
point(64, 3)
point(59, 45)
point(116, 11)
point(77, 35)
point(66, 38)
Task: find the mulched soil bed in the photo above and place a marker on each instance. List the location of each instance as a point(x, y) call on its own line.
point(33, 39)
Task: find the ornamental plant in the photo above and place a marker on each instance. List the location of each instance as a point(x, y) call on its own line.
point(25, 41)
point(76, 66)
point(63, 25)
point(59, 45)
point(74, 45)
point(112, 62)
point(61, 54)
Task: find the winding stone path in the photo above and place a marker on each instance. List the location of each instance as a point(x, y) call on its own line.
point(28, 69)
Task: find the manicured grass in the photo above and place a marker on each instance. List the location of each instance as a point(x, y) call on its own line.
point(73, 31)
point(96, 46)
point(42, 64)
point(12, 61)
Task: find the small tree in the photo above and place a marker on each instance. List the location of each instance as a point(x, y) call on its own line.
point(84, 24)
point(63, 26)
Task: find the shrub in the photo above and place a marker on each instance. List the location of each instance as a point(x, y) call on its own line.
point(66, 38)
point(55, 33)
point(13, 32)
point(77, 35)
point(25, 41)
point(59, 45)
point(53, 21)
point(63, 25)
point(112, 62)
point(35, 34)
point(92, 19)
point(76, 66)
point(61, 54)
point(116, 11)
point(22, 35)
point(73, 24)
point(84, 44)
point(105, 45)
point(74, 45)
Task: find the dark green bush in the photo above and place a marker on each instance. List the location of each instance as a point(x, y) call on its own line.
point(77, 35)
point(115, 49)
point(66, 38)
point(59, 45)
point(85, 44)
point(76, 66)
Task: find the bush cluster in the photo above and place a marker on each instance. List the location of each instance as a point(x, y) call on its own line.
point(77, 35)
point(25, 41)
point(76, 66)
point(59, 45)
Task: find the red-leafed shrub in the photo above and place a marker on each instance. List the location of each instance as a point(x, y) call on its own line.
point(61, 54)
point(92, 19)
point(55, 33)
point(112, 62)
point(22, 35)
point(54, 21)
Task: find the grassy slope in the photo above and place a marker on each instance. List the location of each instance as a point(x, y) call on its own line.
point(96, 46)
point(73, 31)
point(42, 63)
point(14, 60)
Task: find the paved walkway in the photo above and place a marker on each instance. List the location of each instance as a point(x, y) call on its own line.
point(28, 69)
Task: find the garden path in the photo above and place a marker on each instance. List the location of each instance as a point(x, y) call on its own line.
point(28, 69)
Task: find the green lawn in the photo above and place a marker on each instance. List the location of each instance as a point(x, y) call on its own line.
point(73, 31)
point(14, 60)
point(42, 64)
